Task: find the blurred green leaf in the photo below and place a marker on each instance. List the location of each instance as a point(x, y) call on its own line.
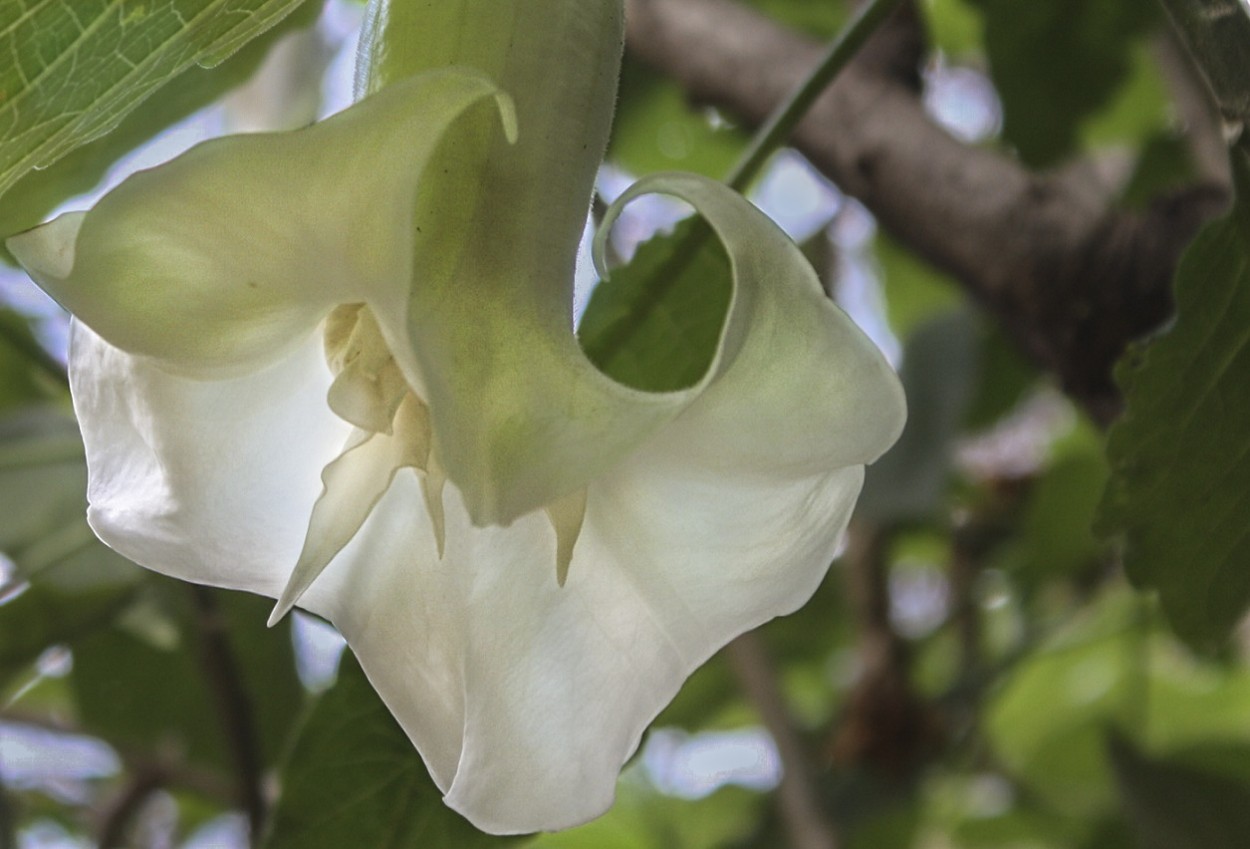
point(820, 20)
point(354, 779)
point(1020, 827)
point(1164, 164)
point(1138, 108)
point(1180, 456)
point(74, 70)
point(43, 616)
point(1174, 806)
point(43, 486)
point(1048, 722)
point(23, 364)
point(705, 698)
point(955, 27)
point(39, 192)
point(1004, 379)
point(76, 583)
point(655, 323)
point(895, 827)
point(939, 373)
point(1057, 64)
point(1057, 537)
point(1110, 666)
point(657, 129)
point(1221, 756)
point(152, 677)
point(642, 818)
point(915, 291)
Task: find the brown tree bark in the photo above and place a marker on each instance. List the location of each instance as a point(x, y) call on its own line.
point(1070, 277)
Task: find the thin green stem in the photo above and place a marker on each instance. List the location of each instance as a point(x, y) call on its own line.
point(1136, 707)
point(777, 129)
point(608, 343)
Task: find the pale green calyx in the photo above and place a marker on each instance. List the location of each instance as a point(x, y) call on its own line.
point(336, 367)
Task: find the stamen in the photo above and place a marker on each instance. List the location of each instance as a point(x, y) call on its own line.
point(353, 484)
point(368, 385)
point(432, 483)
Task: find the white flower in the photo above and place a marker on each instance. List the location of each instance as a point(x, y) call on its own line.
point(335, 367)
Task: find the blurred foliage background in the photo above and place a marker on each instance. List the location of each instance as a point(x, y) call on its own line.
point(976, 672)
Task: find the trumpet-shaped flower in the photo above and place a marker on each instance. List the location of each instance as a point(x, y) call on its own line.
point(336, 367)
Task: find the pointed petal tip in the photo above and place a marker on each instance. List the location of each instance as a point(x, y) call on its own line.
point(507, 115)
point(47, 251)
point(567, 515)
point(281, 609)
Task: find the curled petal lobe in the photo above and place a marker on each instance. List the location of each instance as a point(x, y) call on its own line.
point(779, 391)
point(215, 262)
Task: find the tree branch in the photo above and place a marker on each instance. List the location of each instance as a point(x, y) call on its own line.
point(797, 798)
point(8, 820)
point(120, 816)
point(1217, 31)
point(201, 781)
point(1195, 107)
point(233, 703)
point(1070, 279)
point(885, 726)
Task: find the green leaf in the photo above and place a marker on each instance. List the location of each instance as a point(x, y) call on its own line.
point(43, 484)
point(1165, 164)
point(42, 616)
point(1004, 381)
point(1057, 64)
point(72, 71)
point(939, 375)
point(654, 325)
point(154, 675)
point(644, 819)
point(25, 367)
point(954, 26)
point(76, 584)
point(1175, 806)
point(915, 291)
point(1112, 664)
point(354, 779)
point(1139, 107)
point(656, 129)
point(1180, 456)
point(39, 192)
point(821, 20)
point(1057, 537)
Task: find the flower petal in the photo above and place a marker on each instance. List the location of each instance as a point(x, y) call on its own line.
point(795, 386)
point(208, 481)
point(217, 261)
point(525, 698)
